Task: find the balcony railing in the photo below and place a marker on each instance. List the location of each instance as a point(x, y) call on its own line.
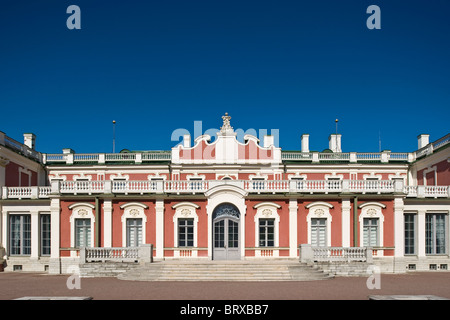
point(251, 186)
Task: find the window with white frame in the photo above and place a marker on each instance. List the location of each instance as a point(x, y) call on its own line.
point(82, 233)
point(186, 232)
point(134, 232)
point(319, 221)
point(267, 222)
point(134, 222)
point(371, 222)
point(185, 221)
point(435, 233)
point(45, 234)
point(19, 234)
point(82, 222)
point(266, 232)
point(410, 233)
point(370, 232)
point(318, 232)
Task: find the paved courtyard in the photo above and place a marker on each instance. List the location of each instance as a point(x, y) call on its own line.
point(20, 284)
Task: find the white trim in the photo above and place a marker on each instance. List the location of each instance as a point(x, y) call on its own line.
point(185, 210)
point(133, 210)
point(372, 175)
point(378, 204)
point(333, 175)
point(229, 194)
point(81, 211)
point(81, 204)
point(82, 176)
point(319, 203)
point(319, 209)
point(119, 176)
point(372, 210)
point(195, 176)
point(267, 210)
point(297, 175)
point(129, 204)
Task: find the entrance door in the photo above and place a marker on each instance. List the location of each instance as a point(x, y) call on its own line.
point(226, 233)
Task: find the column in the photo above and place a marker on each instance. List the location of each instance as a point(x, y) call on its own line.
point(399, 227)
point(421, 233)
point(346, 210)
point(159, 208)
point(55, 208)
point(107, 223)
point(293, 209)
point(34, 234)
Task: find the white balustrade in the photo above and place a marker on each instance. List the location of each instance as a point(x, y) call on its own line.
point(83, 187)
point(200, 186)
point(332, 254)
point(188, 186)
point(264, 186)
point(372, 186)
point(126, 187)
point(111, 254)
point(324, 186)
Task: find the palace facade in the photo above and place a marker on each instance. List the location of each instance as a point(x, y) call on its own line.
point(225, 200)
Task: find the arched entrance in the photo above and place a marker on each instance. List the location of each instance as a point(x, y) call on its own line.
point(226, 244)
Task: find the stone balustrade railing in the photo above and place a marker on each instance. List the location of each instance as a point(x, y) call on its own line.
point(251, 186)
point(309, 254)
point(143, 253)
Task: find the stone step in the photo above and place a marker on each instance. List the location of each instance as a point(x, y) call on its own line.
point(237, 271)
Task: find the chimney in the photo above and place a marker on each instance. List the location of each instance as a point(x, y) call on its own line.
point(187, 141)
point(334, 142)
point(29, 140)
point(305, 142)
point(268, 141)
point(423, 140)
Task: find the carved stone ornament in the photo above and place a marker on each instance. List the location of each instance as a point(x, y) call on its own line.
point(371, 212)
point(82, 212)
point(319, 212)
point(267, 212)
point(185, 212)
point(226, 127)
point(134, 212)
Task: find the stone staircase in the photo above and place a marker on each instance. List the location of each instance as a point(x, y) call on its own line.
point(224, 271)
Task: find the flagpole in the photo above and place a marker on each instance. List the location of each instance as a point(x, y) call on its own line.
point(114, 136)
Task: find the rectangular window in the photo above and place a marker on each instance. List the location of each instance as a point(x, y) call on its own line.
point(82, 233)
point(185, 232)
point(45, 228)
point(20, 234)
point(134, 232)
point(318, 232)
point(410, 233)
point(370, 232)
point(435, 229)
point(266, 232)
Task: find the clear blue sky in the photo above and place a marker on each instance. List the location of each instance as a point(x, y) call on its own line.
point(155, 66)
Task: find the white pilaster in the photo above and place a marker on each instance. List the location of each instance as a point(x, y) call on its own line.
point(34, 234)
point(159, 208)
point(399, 227)
point(107, 223)
point(55, 221)
point(293, 209)
point(421, 233)
point(346, 208)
